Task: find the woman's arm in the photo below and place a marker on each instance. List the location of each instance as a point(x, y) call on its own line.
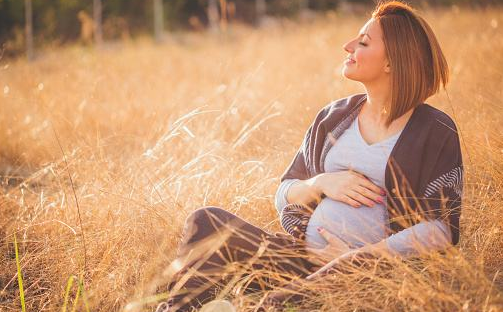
point(280, 199)
point(296, 199)
point(293, 214)
point(443, 194)
point(304, 192)
point(347, 186)
point(423, 237)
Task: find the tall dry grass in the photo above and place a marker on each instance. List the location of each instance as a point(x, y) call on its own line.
point(115, 148)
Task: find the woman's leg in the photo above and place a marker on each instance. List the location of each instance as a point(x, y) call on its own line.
point(213, 238)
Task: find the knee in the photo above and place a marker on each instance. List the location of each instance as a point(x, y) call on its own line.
point(203, 222)
point(204, 214)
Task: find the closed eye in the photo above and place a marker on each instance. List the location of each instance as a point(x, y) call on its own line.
point(362, 43)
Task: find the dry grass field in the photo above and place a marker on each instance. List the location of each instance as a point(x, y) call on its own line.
point(148, 133)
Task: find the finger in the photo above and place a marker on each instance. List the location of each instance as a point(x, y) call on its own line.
point(325, 234)
point(371, 186)
point(335, 244)
point(360, 198)
point(356, 173)
point(369, 194)
point(350, 201)
point(329, 237)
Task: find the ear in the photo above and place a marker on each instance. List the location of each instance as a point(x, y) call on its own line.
point(387, 68)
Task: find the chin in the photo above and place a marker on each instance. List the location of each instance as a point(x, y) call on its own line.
point(349, 76)
point(347, 73)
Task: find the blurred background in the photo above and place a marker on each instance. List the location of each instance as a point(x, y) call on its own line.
point(26, 25)
point(118, 118)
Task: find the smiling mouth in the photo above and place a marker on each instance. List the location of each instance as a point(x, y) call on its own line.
point(349, 61)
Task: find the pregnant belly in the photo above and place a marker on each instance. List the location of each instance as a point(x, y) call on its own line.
point(355, 226)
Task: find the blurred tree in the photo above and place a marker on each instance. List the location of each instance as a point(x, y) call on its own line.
point(98, 30)
point(213, 15)
point(260, 8)
point(28, 28)
point(158, 20)
point(56, 20)
point(86, 27)
point(223, 15)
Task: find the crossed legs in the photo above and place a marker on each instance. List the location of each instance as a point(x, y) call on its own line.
point(219, 249)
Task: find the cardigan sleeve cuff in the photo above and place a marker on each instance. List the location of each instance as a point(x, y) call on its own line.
point(421, 238)
point(280, 200)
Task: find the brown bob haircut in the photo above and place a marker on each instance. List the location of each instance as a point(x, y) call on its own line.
point(417, 63)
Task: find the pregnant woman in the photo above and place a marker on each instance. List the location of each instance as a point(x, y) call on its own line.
point(378, 172)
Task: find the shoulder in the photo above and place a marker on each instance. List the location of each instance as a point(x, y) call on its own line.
point(439, 121)
point(345, 102)
point(443, 137)
point(340, 106)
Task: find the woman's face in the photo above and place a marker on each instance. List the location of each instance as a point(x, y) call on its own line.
point(367, 61)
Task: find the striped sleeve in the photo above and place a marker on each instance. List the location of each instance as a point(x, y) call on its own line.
point(293, 217)
point(280, 200)
point(452, 179)
point(444, 192)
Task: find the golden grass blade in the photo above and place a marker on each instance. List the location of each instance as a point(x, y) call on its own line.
point(19, 276)
point(67, 292)
point(76, 300)
point(82, 289)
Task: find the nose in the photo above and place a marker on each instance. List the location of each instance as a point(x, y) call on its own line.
point(348, 47)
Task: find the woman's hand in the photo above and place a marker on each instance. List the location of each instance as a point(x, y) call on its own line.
point(334, 248)
point(371, 251)
point(349, 187)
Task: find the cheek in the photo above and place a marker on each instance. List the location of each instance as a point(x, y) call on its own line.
point(370, 60)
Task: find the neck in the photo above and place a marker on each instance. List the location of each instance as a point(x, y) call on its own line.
point(377, 103)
